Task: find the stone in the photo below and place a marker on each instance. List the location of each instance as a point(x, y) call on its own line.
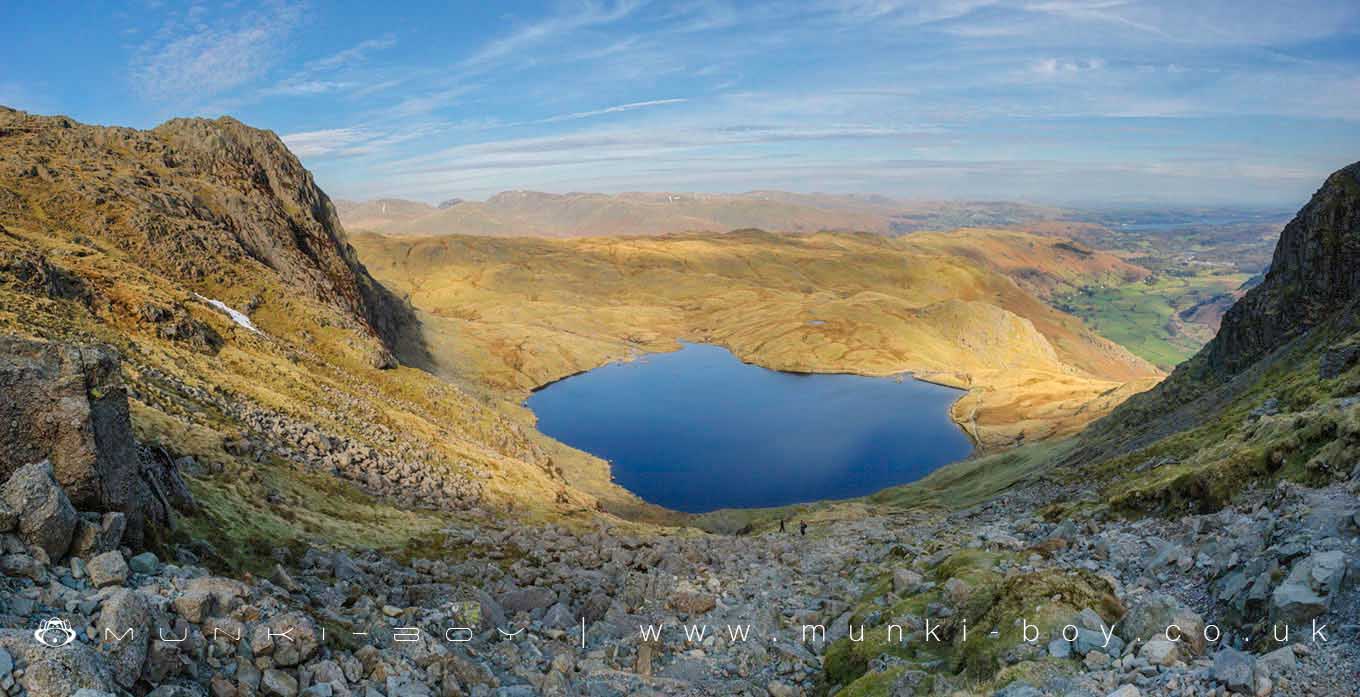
point(99, 534)
point(1160, 652)
point(1060, 648)
point(107, 569)
point(60, 673)
point(300, 643)
point(344, 568)
point(906, 581)
point(1126, 691)
point(559, 616)
point(1327, 571)
point(1066, 530)
point(595, 607)
point(957, 591)
point(1234, 670)
point(194, 606)
point(692, 603)
point(227, 593)
point(1337, 359)
point(23, 565)
point(176, 691)
point(643, 665)
point(277, 683)
point(1089, 640)
point(491, 613)
point(9, 518)
point(1277, 662)
point(527, 599)
point(66, 404)
point(144, 563)
point(281, 578)
point(1295, 602)
point(47, 519)
point(125, 609)
point(1149, 617)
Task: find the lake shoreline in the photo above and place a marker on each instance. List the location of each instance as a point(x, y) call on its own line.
point(698, 429)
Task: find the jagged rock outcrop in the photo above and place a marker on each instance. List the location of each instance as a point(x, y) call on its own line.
point(1313, 284)
point(66, 404)
point(190, 198)
point(1315, 274)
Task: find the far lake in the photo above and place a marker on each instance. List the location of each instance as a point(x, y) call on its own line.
point(697, 430)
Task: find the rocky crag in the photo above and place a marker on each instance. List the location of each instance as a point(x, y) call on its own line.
point(197, 201)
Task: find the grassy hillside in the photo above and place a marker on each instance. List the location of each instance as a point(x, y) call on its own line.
point(125, 237)
point(519, 313)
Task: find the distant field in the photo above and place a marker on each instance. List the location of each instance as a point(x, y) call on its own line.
point(1144, 317)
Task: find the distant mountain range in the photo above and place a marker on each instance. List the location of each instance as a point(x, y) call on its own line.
point(533, 213)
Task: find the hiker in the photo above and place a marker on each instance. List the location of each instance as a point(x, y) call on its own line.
point(781, 525)
point(802, 528)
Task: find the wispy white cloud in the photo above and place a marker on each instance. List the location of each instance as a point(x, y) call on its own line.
point(1050, 68)
point(909, 12)
point(306, 87)
point(354, 54)
point(324, 142)
point(616, 109)
point(323, 75)
point(191, 57)
point(578, 17)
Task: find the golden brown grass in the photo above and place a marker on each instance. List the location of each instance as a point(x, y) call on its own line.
point(518, 313)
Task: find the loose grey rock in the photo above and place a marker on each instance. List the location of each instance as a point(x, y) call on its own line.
point(123, 610)
point(527, 599)
point(108, 569)
point(144, 563)
point(1233, 669)
point(46, 517)
point(278, 683)
point(1149, 618)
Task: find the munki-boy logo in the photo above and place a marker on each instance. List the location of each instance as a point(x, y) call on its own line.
point(56, 633)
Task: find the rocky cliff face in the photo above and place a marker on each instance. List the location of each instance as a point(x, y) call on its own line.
point(1309, 296)
point(195, 200)
point(1315, 274)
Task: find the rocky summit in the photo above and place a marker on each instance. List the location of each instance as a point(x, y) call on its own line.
point(235, 464)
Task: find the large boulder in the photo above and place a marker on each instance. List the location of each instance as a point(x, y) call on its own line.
point(1235, 670)
point(527, 599)
point(46, 518)
point(291, 639)
point(107, 569)
point(66, 404)
point(55, 672)
point(125, 610)
point(1151, 615)
point(1309, 589)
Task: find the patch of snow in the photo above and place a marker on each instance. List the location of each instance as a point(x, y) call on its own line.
point(236, 316)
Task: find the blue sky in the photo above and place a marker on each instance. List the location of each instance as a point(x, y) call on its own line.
point(1065, 101)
